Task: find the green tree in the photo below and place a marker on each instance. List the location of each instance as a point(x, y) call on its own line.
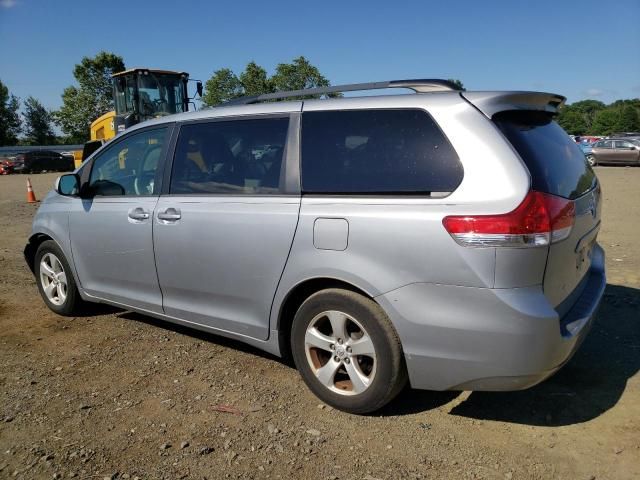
point(255, 81)
point(589, 106)
point(588, 110)
point(298, 75)
point(93, 96)
point(9, 117)
point(628, 119)
point(37, 123)
point(458, 83)
point(605, 122)
point(572, 120)
point(224, 85)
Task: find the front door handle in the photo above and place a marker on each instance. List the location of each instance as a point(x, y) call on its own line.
point(170, 215)
point(138, 213)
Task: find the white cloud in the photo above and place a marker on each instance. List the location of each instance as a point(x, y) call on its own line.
point(594, 92)
point(8, 3)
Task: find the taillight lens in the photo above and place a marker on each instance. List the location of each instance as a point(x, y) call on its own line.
point(539, 220)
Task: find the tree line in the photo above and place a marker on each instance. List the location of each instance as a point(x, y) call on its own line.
point(591, 117)
point(92, 96)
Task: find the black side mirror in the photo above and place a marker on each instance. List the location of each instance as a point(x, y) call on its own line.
point(68, 185)
point(199, 88)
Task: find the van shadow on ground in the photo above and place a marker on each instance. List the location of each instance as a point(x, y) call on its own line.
point(589, 385)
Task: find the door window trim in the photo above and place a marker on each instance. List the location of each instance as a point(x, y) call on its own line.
point(162, 161)
point(290, 169)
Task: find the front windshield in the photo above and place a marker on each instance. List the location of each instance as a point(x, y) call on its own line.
point(160, 94)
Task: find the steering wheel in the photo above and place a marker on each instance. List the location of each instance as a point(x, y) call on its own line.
point(160, 106)
point(143, 183)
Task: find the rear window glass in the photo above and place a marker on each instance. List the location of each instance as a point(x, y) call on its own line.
point(376, 151)
point(556, 163)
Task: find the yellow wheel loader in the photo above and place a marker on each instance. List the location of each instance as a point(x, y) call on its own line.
point(140, 94)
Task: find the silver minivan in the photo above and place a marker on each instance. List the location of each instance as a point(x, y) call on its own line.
point(442, 238)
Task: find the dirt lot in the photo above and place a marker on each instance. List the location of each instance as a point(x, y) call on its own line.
point(119, 395)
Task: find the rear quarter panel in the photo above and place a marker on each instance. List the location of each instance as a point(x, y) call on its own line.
point(396, 241)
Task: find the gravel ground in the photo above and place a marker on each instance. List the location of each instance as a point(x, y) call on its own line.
point(118, 395)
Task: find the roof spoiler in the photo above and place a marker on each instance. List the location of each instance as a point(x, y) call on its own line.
point(491, 103)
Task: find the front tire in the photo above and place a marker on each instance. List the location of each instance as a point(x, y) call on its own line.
point(591, 159)
point(347, 351)
point(55, 280)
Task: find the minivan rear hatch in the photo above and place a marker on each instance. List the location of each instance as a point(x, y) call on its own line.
point(558, 167)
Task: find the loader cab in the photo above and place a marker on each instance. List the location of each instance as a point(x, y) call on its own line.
point(141, 94)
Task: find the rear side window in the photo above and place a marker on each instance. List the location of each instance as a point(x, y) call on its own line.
point(556, 163)
point(240, 157)
point(376, 151)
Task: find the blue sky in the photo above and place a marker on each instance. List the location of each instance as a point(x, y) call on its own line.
point(581, 49)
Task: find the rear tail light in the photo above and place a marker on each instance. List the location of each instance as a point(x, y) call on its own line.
point(541, 219)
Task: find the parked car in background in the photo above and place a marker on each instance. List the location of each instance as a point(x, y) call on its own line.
point(6, 166)
point(16, 164)
point(44, 160)
point(587, 148)
point(615, 151)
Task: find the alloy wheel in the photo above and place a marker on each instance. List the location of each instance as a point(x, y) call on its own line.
point(53, 279)
point(340, 352)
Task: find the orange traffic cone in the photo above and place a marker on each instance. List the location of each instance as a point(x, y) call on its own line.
point(31, 197)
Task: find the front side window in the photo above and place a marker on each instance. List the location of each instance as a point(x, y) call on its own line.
point(129, 167)
point(376, 151)
point(230, 157)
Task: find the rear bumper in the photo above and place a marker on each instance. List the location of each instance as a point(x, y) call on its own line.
point(462, 338)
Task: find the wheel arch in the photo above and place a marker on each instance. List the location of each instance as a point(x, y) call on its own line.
point(296, 296)
point(31, 248)
point(37, 239)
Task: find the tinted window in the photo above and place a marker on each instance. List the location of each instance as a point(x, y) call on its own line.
point(230, 157)
point(623, 144)
point(376, 151)
point(129, 167)
point(556, 164)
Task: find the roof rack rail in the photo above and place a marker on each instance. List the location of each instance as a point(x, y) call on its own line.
point(417, 85)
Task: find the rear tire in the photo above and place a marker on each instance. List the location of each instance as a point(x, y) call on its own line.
point(55, 280)
point(347, 351)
